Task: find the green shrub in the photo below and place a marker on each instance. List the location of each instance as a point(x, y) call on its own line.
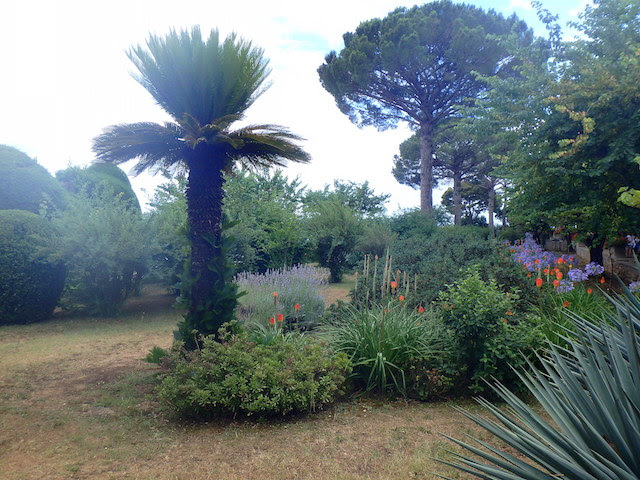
point(240, 377)
point(441, 254)
point(96, 180)
point(106, 248)
point(25, 185)
point(392, 348)
point(490, 332)
point(31, 272)
point(590, 394)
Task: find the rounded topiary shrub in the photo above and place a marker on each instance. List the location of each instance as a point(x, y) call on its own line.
point(25, 185)
point(248, 378)
point(31, 272)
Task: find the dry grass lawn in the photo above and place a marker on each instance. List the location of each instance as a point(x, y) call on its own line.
point(76, 402)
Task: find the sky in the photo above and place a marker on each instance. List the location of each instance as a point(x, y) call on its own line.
point(65, 77)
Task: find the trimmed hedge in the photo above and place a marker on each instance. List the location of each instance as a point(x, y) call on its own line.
point(25, 185)
point(31, 273)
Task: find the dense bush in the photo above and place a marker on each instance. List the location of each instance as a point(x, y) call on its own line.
point(25, 185)
point(440, 254)
point(392, 349)
point(491, 333)
point(31, 271)
point(240, 377)
point(96, 180)
point(106, 247)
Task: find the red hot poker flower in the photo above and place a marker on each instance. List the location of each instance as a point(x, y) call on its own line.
point(280, 317)
point(538, 282)
point(420, 309)
point(272, 321)
point(296, 307)
point(401, 298)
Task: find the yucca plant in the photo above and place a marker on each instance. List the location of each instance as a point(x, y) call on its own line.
point(590, 390)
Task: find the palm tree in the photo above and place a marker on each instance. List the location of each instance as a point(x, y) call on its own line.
point(206, 86)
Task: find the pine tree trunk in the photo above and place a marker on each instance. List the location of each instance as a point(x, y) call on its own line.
point(491, 205)
point(457, 198)
point(426, 169)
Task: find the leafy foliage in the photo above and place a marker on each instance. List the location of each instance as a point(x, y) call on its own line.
point(25, 185)
point(490, 333)
point(96, 179)
point(240, 377)
point(106, 248)
point(335, 229)
point(32, 273)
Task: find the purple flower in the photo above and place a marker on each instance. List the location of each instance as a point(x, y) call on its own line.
point(634, 287)
point(577, 275)
point(593, 268)
point(565, 286)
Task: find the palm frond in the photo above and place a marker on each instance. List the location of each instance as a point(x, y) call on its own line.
point(155, 146)
point(266, 145)
point(207, 79)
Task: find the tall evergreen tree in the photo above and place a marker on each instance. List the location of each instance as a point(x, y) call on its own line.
point(419, 66)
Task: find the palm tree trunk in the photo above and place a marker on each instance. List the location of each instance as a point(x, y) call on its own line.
point(205, 292)
point(426, 169)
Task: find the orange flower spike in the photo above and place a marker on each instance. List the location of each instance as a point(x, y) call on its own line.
point(546, 271)
point(559, 275)
point(589, 291)
point(529, 274)
point(556, 283)
point(565, 304)
point(401, 298)
point(280, 318)
point(538, 282)
point(393, 284)
point(508, 312)
point(536, 261)
point(420, 309)
point(296, 307)
point(602, 280)
point(272, 321)
point(275, 294)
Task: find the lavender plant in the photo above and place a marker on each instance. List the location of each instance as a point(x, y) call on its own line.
point(291, 294)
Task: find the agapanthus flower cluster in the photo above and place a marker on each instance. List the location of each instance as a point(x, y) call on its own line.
point(577, 275)
point(593, 268)
point(564, 286)
point(634, 287)
point(535, 259)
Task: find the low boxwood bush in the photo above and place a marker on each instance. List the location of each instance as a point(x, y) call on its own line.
point(31, 272)
point(241, 377)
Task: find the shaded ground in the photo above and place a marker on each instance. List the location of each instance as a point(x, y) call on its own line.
point(76, 402)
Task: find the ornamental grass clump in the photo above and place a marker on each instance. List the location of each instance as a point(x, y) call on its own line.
point(292, 292)
point(590, 391)
point(393, 349)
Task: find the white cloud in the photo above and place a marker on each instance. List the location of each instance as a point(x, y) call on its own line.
point(524, 4)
